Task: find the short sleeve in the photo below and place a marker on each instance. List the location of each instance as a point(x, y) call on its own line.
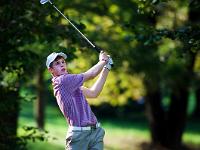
point(72, 81)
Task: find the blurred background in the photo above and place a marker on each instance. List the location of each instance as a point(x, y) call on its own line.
point(151, 100)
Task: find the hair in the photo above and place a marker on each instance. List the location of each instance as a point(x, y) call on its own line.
point(58, 57)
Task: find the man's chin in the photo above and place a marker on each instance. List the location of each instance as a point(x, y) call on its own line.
point(62, 73)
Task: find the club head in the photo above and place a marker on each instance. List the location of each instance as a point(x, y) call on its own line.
point(44, 1)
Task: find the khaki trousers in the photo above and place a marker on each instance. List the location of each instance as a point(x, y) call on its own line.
point(85, 140)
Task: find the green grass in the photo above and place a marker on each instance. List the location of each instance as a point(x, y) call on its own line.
point(192, 134)
point(120, 135)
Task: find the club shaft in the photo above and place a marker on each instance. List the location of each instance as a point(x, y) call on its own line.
point(74, 26)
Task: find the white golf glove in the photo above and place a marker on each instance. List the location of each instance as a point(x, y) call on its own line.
point(109, 64)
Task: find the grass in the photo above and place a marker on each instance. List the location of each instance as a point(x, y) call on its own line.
point(120, 135)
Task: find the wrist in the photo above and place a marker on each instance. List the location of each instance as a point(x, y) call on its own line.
point(103, 61)
point(105, 68)
point(108, 66)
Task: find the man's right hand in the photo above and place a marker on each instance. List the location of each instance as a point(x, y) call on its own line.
point(103, 56)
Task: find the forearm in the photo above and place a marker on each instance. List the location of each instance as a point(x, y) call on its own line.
point(94, 71)
point(98, 85)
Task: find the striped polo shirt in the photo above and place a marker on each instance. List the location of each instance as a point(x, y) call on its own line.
point(71, 100)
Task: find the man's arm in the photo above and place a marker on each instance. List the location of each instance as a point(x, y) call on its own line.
point(96, 69)
point(96, 89)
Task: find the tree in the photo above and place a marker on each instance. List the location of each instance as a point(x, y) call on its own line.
point(172, 70)
point(13, 65)
point(194, 19)
point(22, 28)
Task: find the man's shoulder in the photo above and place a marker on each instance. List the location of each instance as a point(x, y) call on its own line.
point(57, 79)
point(67, 78)
point(61, 78)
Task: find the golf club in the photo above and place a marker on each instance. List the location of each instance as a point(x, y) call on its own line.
point(94, 46)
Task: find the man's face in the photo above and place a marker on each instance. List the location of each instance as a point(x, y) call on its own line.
point(58, 67)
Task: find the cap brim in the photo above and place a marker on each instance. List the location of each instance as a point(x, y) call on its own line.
point(52, 58)
point(61, 54)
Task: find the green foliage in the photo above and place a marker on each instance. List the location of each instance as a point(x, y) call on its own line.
point(32, 134)
point(27, 95)
point(184, 42)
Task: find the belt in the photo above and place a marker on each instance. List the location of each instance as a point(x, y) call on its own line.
point(87, 128)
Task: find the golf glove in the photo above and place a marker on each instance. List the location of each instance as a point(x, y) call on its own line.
point(109, 64)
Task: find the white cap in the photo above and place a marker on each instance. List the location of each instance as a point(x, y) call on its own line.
point(53, 56)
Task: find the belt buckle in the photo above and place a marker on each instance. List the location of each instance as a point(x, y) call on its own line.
point(94, 126)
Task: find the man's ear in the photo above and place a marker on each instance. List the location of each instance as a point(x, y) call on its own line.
point(51, 70)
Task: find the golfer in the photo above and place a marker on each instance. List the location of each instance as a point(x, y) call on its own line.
point(84, 132)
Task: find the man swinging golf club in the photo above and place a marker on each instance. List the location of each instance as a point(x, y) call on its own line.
point(84, 132)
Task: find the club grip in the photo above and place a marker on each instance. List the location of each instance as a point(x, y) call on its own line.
point(98, 49)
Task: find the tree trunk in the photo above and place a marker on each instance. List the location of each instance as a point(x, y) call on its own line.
point(177, 118)
point(156, 117)
point(167, 130)
point(40, 102)
point(9, 112)
point(196, 112)
point(194, 17)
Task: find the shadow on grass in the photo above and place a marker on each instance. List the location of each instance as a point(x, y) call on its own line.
point(139, 124)
point(149, 146)
point(193, 126)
